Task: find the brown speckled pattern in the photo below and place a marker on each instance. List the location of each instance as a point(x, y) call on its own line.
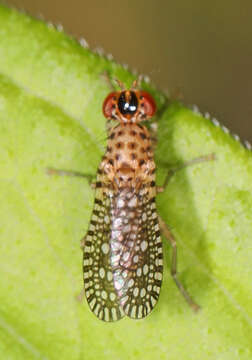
point(122, 261)
point(129, 158)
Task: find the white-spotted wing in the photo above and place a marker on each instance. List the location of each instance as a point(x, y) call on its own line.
point(97, 270)
point(123, 262)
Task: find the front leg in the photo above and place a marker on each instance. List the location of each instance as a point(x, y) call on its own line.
point(171, 172)
point(61, 172)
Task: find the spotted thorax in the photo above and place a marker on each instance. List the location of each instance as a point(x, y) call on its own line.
point(123, 257)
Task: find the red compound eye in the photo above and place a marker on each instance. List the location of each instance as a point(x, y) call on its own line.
point(109, 104)
point(147, 103)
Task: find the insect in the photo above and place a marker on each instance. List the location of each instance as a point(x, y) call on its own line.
point(122, 250)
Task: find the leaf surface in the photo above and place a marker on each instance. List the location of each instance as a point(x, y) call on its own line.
point(51, 91)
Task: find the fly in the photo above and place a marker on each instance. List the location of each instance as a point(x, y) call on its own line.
point(122, 250)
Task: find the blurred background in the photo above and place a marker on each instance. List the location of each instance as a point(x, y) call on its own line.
point(203, 48)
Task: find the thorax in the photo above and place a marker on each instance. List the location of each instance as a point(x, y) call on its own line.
point(128, 160)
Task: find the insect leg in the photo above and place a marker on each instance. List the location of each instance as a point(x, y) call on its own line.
point(172, 171)
point(167, 233)
point(80, 296)
point(62, 172)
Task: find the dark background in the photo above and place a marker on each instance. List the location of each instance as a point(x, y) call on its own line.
point(202, 47)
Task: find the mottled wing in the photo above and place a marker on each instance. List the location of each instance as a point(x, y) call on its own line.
point(142, 268)
point(98, 277)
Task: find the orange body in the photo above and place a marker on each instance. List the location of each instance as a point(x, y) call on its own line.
point(129, 157)
point(122, 260)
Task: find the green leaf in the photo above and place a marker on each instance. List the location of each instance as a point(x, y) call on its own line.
point(51, 91)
